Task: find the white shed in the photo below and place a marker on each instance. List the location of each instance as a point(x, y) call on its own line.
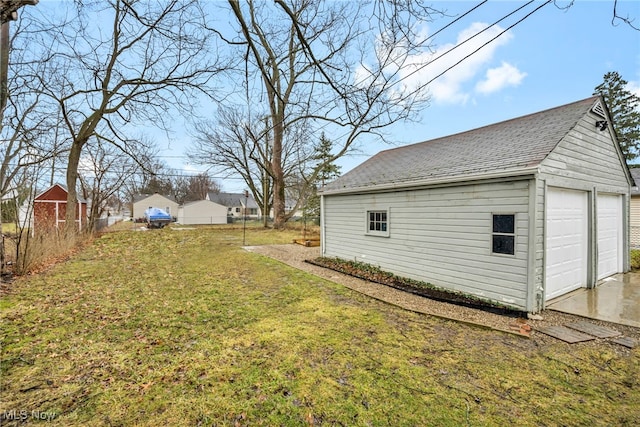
point(517, 212)
point(142, 202)
point(202, 212)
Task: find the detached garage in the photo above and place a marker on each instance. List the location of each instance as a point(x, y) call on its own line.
point(202, 212)
point(518, 212)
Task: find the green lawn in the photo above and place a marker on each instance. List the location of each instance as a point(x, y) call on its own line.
point(184, 327)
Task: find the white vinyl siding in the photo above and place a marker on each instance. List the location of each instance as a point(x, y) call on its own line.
point(635, 221)
point(202, 212)
point(587, 158)
point(440, 235)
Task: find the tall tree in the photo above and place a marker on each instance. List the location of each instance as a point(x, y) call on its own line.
point(311, 64)
point(328, 171)
point(116, 64)
point(624, 107)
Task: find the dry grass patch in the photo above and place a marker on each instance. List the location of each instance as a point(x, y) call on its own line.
point(184, 327)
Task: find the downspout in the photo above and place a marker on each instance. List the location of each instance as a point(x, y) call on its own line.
point(323, 247)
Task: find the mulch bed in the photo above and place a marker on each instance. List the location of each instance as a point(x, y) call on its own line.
point(373, 274)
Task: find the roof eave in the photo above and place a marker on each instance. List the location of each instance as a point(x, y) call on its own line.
point(506, 173)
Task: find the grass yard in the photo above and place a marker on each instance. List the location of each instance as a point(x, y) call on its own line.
point(184, 327)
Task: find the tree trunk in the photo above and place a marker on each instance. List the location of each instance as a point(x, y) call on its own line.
point(278, 175)
point(72, 195)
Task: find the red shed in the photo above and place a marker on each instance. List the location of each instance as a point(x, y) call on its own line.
point(50, 208)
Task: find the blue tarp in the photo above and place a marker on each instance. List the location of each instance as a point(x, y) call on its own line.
point(156, 214)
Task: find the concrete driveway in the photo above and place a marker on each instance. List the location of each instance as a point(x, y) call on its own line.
point(616, 299)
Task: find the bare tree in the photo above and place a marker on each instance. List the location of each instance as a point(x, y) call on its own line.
point(103, 173)
point(198, 186)
point(311, 64)
point(238, 144)
point(116, 64)
point(189, 188)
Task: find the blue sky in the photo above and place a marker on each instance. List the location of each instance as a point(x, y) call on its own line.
point(552, 58)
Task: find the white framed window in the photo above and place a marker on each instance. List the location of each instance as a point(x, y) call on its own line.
point(378, 222)
point(503, 236)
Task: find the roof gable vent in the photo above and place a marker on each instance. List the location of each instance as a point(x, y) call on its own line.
point(599, 110)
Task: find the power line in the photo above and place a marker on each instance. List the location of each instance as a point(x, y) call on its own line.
point(465, 41)
point(422, 67)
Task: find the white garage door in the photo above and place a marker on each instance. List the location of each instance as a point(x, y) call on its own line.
point(566, 241)
point(609, 235)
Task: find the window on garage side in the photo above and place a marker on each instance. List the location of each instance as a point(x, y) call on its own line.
point(504, 234)
point(378, 222)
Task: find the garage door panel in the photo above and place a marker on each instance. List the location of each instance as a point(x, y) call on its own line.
point(566, 241)
point(609, 235)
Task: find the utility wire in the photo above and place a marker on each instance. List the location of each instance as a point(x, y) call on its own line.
point(422, 67)
point(450, 50)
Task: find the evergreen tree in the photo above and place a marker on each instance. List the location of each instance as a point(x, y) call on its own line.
point(327, 172)
point(624, 108)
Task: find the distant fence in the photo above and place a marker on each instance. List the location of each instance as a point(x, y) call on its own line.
point(103, 223)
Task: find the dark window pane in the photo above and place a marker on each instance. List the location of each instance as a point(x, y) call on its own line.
point(377, 221)
point(503, 244)
point(504, 223)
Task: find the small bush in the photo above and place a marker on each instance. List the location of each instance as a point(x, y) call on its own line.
point(635, 259)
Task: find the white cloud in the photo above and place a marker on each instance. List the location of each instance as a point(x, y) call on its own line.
point(633, 87)
point(87, 166)
point(499, 78)
point(473, 55)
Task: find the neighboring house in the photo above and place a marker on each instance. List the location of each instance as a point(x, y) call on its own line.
point(517, 212)
point(635, 209)
point(289, 206)
point(142, 202)
point(202, 212)
point(235, 204)
point(50, 209)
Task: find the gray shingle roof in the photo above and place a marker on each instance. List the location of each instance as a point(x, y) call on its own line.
point(635, 174)
point(516, 144)
point(232, 200)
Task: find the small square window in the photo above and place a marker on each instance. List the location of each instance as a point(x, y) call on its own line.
point(504, 237)
point(377, 223)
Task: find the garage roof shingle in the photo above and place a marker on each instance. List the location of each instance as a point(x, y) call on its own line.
point(514, 144)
